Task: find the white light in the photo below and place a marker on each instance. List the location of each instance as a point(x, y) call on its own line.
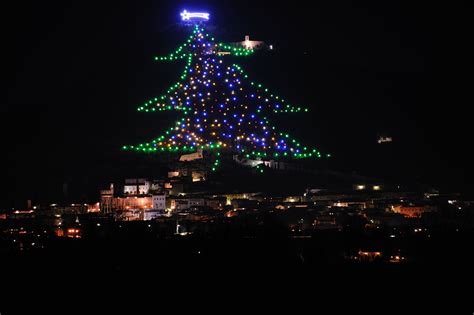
point(187, 16)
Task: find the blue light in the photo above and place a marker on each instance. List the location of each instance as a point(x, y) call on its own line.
point(194, 16)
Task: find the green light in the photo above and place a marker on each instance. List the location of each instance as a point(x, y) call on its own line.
point(174, 94)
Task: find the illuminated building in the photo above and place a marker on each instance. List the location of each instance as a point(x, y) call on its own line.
point(383, 139)
point(136, 186)
point(180, 203)
point(397, 259)
point(253, 44)
point(191, 156)
point(133, 202)
point(73, 233)
point(159, 202)
point(95, 207)
point(411, 211)
point(106, 198)
point(369, 256)
point(230, 197)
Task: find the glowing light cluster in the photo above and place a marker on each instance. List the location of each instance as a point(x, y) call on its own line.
point(222, 109)
point(236, 51)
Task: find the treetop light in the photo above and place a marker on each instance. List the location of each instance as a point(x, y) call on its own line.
point(194, 16)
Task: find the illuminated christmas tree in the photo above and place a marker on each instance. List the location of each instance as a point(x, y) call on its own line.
point(221, 108)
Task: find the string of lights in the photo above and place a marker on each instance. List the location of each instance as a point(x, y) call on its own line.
point(221, 108)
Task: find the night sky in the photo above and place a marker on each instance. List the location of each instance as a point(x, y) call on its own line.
point(74, 72)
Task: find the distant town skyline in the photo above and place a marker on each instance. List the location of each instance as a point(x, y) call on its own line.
point(385, 68)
